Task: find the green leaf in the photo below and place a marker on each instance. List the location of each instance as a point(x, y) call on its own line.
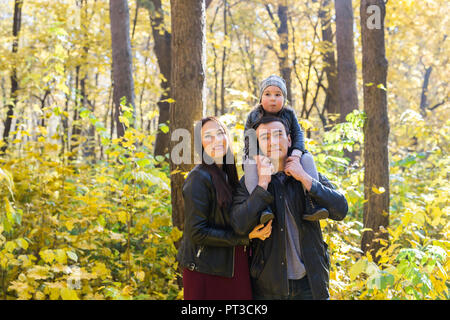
point(101, 220)
point(358, 268)
point(72, 255)
point(143, 162)
point(164, 127)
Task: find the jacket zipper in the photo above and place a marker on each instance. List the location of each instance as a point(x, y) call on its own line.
point(232, 270)
point(285, 241)
point(199, 251)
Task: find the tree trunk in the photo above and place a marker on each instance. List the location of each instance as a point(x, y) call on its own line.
point(76, 127)
point(331, 104)
point(346, 76)
point(14, 81)
point(346, 66)
point(121, 59)
point(224, 59)
point(163, 54)
point(376, 129)
point(423, 96)
point(188, 86)
point(283, 35)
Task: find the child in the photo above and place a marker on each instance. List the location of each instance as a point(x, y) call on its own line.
point(272, 101)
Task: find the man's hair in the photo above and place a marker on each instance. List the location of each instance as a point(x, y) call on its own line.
point(268, 119)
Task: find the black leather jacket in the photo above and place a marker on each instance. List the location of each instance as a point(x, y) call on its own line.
point(208, 240)
point(268, 268)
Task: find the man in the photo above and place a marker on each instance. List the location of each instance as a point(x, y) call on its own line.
point(292, 262)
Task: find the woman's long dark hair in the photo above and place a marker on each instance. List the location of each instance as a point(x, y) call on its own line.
point(224, 188)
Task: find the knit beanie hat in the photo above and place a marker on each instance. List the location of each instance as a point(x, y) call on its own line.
point(273, 80)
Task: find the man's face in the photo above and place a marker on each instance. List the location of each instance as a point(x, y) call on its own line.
point(273, 140)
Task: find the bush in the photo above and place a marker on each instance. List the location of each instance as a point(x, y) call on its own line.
point(100, 231)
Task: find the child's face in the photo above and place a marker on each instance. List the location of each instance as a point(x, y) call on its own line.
point(272, 99)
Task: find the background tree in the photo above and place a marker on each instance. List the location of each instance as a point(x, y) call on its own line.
point(187, 86)
point(376, 127)
point(280, 22)
point(112, 218)
point(122, 69)
point(331, 103)
point(14, 80)
point(346, 66)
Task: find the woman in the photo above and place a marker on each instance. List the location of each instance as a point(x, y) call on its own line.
point(213, 256)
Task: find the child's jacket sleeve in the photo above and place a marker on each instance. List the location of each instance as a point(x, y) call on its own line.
point(253, 116)
point(297, 137)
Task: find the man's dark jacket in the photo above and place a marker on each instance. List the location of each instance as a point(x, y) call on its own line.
point(268, 261)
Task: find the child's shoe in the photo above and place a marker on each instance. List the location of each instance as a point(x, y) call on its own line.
point(266, 216)
point(313, 211)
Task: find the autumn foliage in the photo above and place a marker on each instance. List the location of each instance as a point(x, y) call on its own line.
point(87, 215)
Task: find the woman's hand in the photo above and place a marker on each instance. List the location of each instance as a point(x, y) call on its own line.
point(261, 232)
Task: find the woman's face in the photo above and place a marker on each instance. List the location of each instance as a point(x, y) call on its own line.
point(214, 141)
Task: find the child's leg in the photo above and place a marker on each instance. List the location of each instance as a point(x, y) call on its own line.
point(313, 212)
point(251, 175)
point(307, 162)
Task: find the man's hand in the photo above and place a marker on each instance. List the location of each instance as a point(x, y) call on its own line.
point(265, 169)
point(294, 168)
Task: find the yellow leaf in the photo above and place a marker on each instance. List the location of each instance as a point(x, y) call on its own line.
point(69, 225)
point(38, 272)
point(61, 256)
point(10, 246)
point(54, 293)
point(47, 255)
point(68, 294)
point(101, 179)
point(123, 217)
point(379, 190)
point(140, 275)
point(140, 155)
point(100, 270)
point(125, 121)
point(22, 243)
point(127, 291)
